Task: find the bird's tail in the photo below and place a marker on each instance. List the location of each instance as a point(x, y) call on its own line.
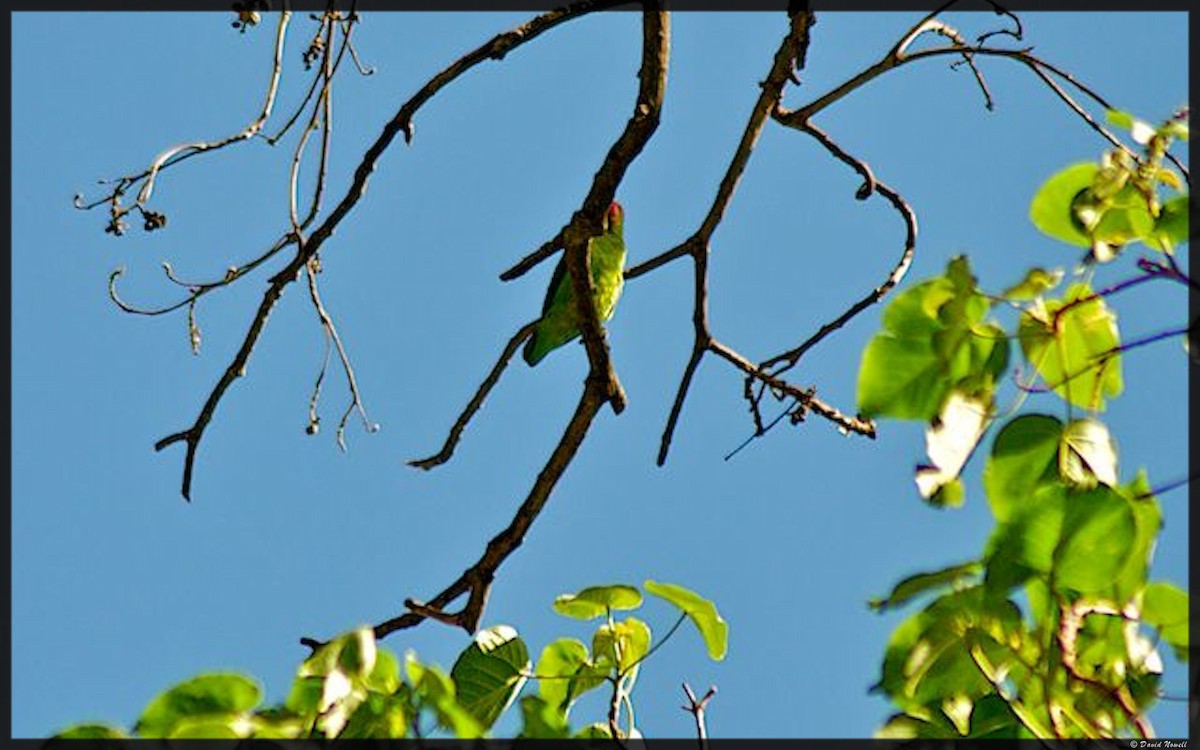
point(532, 353)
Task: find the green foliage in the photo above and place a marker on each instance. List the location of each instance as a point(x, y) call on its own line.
point(935, 340)
point(351, 689)
point(1118, 201)
point(1072, 343)
point(1071, 658)
point(701, 611)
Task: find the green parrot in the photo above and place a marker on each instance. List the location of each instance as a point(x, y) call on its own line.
point(560, 320)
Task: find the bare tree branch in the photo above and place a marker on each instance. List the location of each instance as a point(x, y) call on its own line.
point(476, 401)
point(496, 49)
point(788, 58)
point(179, 153)
point(696, 707)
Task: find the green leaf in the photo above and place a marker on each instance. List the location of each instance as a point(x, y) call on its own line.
point(908, 727)
point(206, 694)
point(991, 718)
point(949, 442)
point(900, 379)
point(934, 340)
point(305, 696)
point(623, 644)
point(91, 732)
point(1119, 119)
point(929, 656)
point(1165, 607)
point(560, 661)
point(1122, 224)
point(278, 723)
point(951, 494)
point(1074, 350)
point(378, 717)
point(1023, 545)
point(596, 601)
point(542, 721)
point(1036, 282)
point(1087, 455)
point(1147, 516)
point(1171, 227)
point(702, 612)
point(1053, 207)
point(594, 731)
point(212, 727)
point(1098, 535)
point(1176, 128)
point(434, 690)
point(385, 677)
point(356, 658)
point(921, 583)
point(1024, 455)
point(490, 672)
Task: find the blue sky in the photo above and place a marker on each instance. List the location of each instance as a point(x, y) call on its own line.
point(121, 589)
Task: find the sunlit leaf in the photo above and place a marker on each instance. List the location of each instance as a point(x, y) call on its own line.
point(934, 339)
point(623, 644)
point(1088, 454)
point(1165, 607)
point(1098, 535)
point(921, 583)
point(1119, 118)
point(929, 656)
point(379, 716)
point(594, 731)
point(433, 689)
point(558, 663)
point(1037, 281)
point(900, 379)
point(385, 676)
point(1171, 228)
point(1073, 344)
point(357, 655)
point(1053, 207)
point(1024, 455)
point(91, 732)
point(541, 720)
point(490, 672)
point(206, 694)
point(212, 727)
point(701, 611)
point(595, 601)
point(1024, 544)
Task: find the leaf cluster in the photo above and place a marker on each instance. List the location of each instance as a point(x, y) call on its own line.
point(350, 688)
point(1053, 630)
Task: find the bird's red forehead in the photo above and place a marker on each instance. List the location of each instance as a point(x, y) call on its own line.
point(615, 212)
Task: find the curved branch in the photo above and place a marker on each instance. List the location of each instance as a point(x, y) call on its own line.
point(179, 153)
point(600, 386)
point(477, 580)
point(496, 48)
point(331, 335)
point(236, 369)
point(460, 424)
point(788, 58)
point(894, 276)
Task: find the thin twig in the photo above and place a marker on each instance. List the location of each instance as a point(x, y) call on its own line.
point(870, 183)
point(184, 151)
point(697, 709)
point(481, 393)
point(401, 122)
point(787, 60)
point(331, 332)
point(598, 387)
